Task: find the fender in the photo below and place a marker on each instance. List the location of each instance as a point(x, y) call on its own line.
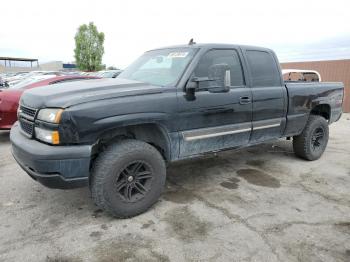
point(143, 126)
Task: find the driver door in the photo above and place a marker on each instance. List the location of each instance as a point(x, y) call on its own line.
point(216, 121)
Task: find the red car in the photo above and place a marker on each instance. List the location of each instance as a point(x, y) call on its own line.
point(9, 98)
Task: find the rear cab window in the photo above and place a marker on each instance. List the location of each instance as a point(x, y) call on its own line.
point(263, 69)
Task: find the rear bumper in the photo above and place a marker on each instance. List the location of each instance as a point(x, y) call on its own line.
point(61, 167)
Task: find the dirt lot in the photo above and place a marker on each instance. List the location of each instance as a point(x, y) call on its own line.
point(258, 204)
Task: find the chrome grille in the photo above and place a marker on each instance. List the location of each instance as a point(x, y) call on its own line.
point(28, 111)
point(26, 119)
point(27, 126)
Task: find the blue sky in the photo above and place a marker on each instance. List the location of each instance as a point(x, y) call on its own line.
point(297, 30)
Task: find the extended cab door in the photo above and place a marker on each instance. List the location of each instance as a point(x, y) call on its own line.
point(269, 95)
point(215, 121)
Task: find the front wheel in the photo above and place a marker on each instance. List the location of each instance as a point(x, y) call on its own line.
point(127, 178)
point(312, 142)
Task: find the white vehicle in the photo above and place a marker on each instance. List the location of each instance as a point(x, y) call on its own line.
point(108, 73)
point(295, 75)
point(9, 77)
point(30, 80)
point(20, 77)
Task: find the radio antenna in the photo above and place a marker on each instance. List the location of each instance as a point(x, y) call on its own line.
point(191, 42)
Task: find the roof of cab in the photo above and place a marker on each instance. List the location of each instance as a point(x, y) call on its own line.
point(215, 45)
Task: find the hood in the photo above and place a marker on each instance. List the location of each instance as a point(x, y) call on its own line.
point(77, 92)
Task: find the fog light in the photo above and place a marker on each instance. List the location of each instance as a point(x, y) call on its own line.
point(48, 136)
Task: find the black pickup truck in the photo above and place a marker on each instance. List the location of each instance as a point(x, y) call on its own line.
point(173, 103)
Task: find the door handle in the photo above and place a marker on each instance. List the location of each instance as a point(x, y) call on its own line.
point(243, 100)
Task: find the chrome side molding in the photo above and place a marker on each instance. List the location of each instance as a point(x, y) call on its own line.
point(203, 133)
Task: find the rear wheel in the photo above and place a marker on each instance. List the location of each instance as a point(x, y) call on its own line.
point(312, 142)
point(128, 178)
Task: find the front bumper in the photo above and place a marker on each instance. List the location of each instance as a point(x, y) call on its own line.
point(61, 167)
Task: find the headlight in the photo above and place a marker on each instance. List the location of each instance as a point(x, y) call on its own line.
point(51, 115)
point(48, 136)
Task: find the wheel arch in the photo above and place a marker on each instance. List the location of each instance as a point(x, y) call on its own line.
point(152, 133)
point(323, 110)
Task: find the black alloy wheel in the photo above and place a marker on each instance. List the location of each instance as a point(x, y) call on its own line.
point(127, 178)
point(134, 181)
point(317, 139)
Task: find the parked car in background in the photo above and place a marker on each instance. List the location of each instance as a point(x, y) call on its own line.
point(299, 75)
point(108, 73)
point(73, 73)
point(10, 76)
point(20, 76)
point(9, 98)
point(30, 80)
point(2, 82)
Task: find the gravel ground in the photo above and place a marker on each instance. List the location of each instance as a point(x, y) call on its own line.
point(257, 204)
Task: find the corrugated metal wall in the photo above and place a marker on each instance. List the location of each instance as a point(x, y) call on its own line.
point(332, 70)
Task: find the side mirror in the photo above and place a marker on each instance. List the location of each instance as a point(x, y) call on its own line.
point(218, 81)
point(190, 90)
point(220, 75)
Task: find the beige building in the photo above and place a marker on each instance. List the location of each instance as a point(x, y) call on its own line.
point(52, 66)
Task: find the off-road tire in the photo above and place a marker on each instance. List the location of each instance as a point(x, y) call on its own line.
point(112, 163)
point(303, 143)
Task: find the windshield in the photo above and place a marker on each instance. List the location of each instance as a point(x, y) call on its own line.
point(162, 67)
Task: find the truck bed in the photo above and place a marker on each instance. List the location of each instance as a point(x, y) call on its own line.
point(303, 96)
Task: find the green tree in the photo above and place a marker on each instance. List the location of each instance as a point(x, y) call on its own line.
point(89, 49)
